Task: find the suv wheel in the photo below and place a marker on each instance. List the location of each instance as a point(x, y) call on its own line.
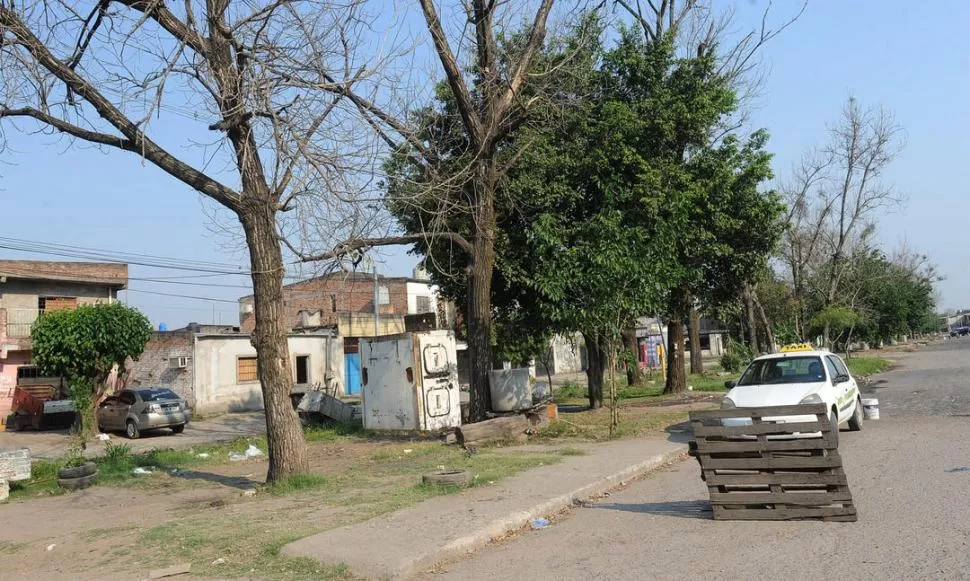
point(131, 430)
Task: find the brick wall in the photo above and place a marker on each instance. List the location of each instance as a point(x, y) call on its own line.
point(332, 295)
point(154, 369)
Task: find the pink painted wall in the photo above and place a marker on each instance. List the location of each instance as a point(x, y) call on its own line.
point(8, 379)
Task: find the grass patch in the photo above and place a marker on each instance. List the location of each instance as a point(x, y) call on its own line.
point(332, 432)
point(707, 381)
point(250, 543)
point(10, 547)
point(571, 452)
point(297, 483)
point(866, 366)
point(43, 481)
point(94, 534)
point(595, 425)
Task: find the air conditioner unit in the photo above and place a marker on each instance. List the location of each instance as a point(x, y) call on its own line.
point(178, 362)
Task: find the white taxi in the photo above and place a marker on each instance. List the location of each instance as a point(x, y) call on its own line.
point(799, 374)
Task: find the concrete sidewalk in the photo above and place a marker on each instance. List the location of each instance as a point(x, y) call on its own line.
point(403, 543)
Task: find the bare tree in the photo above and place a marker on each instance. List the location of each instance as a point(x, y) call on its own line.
point(114, 73)
point(834, 198)
point(491, 92)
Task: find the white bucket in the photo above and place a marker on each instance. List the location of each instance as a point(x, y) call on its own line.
point(870, 408)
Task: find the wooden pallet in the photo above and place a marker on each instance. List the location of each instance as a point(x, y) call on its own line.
point(761, 472)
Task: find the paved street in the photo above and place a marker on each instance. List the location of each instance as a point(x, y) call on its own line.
point(914, 515)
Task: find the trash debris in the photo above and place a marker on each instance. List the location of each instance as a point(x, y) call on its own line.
point(249, 492)
point(540, 523)
point(251, 452)
point(958, 469)
point(219, 561)
point(51, 547)
point(408, 451)
point(203, 455)
point(140, 471)
point(104, 437)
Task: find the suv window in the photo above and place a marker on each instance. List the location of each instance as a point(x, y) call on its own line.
point(127, 397)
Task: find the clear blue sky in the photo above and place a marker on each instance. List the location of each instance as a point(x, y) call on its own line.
point(903, 56)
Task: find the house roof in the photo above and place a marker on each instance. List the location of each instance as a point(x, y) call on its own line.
point(105, 273)
point(348, 276)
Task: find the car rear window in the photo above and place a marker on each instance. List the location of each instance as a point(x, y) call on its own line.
point(808, 369)
point(156, 394)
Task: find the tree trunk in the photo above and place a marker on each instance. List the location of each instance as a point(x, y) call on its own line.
point(480, 291)
point(287, 447)
point(751, 321)
point(696, 360)
point(764, 320)
point(633, 375)
point(676, 370)
point(595, 369)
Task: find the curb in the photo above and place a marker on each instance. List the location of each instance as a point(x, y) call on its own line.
point(515, 521)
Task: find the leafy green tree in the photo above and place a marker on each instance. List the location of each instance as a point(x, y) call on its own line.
point(84, 345)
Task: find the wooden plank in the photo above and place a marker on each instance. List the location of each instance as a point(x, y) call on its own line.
point(780, 463)
point(756, 429)
point(784, 478)
point(846, 514)
point(799, 498)
point(705, 445)
point(762, 412)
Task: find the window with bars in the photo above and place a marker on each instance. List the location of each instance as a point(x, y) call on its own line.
point(246, 370)
point(422, 304)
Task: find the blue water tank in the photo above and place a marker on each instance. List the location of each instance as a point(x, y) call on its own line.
point(162, 327)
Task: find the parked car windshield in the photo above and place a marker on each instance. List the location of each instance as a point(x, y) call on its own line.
point(784, 370)
point(156, 394)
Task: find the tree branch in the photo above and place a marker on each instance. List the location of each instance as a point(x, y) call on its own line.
point(142, 144)
point(453, 73)
point(358, 243)
point(70, 128)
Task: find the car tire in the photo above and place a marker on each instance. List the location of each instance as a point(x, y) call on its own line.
point(834, 420)
point(86, 469)
point(855, 422)
point(78, 483)
point(131, 430)
point(178, 429)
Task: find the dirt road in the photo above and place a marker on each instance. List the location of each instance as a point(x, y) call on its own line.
point(904, 473)
point(52, 444)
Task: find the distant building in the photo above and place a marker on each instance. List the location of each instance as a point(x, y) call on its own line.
point(214, 369)
point(29, 288)
point(358, 305)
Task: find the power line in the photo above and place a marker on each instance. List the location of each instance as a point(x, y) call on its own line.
point(214, 300)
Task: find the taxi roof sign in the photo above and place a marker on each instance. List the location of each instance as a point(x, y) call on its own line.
point(797, 347)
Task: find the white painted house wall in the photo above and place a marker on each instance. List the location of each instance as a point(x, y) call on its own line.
point(217, 387)
point(416, 289)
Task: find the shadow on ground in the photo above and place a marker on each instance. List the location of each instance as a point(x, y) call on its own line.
point(240, 482)
point(699, 509)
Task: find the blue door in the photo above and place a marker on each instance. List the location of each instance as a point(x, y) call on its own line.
point(351, 373)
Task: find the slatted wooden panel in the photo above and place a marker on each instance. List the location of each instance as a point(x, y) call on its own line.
point(761, 471)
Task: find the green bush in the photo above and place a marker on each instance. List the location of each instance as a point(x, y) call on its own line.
point(731, 362)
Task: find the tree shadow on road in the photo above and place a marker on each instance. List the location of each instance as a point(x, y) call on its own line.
point(697, 509)
point(240, 482)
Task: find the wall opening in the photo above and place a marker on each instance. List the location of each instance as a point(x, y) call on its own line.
point(303, 369)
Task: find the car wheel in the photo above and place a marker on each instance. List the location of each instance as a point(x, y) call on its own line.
point(131, 430)
point(834, 420)
point(178, 429)
point(855, 422)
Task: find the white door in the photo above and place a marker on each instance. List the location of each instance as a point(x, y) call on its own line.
point(439, 378)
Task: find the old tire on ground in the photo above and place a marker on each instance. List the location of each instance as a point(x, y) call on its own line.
point(86, 469)
point(178, 429)
point(447, 478)
point(78, 483)
point(855, 422)
point(131, 430)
